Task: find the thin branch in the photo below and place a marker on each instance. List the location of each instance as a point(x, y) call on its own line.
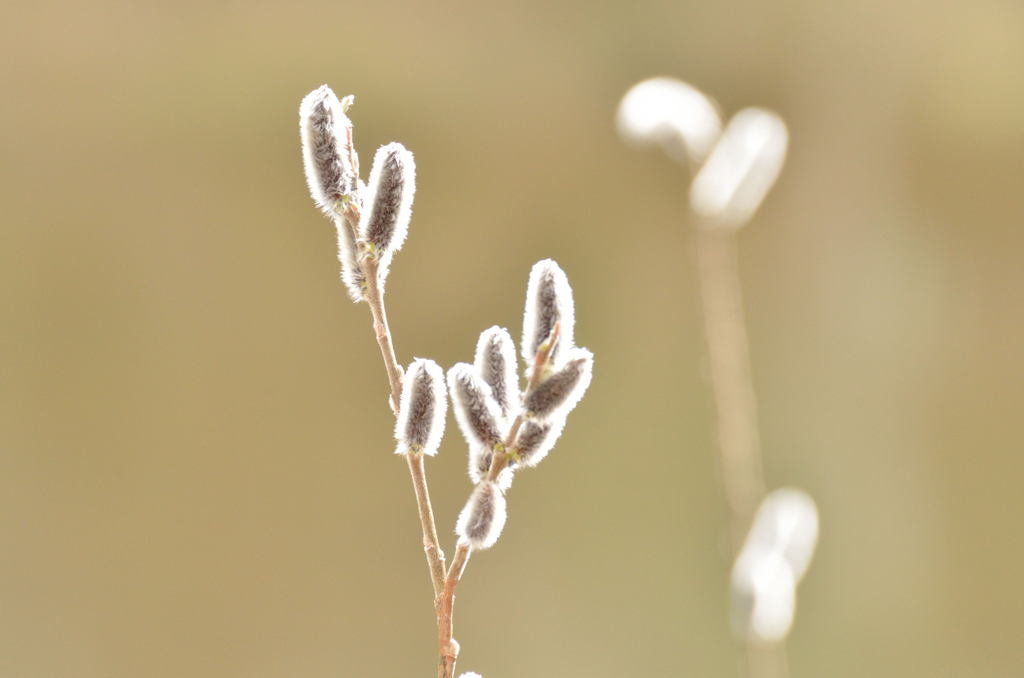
point(447, 648)
point(375, 300)
point(431, 545)
point(735, 405)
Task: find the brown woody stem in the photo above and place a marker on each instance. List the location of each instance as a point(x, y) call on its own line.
point(417, 471)
point(447, 648)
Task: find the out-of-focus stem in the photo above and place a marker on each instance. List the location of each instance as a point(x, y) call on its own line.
point(767, 662)
point(732, 389)
point(731, 384)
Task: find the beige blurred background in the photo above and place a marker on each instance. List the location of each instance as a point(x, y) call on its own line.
point(196, 475)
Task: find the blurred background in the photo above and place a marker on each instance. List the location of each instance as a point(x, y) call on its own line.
point(196, 468)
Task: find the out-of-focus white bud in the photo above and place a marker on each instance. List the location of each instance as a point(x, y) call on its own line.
point(741, 169)
point(421, 410)
point(787, 521)
point(548, 301)
point(672, 114)
point(483, 517)
point(763, 596)
point(774, 558)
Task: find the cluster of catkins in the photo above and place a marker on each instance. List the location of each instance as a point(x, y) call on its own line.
point(507, 428)
point(497, 418)
point(372, 218)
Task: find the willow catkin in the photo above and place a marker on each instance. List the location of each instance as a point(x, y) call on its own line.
point(482, 519)
point(559, 392)
point(421, 409)
point(548, 301)
point(476, 412)
point(326, 133)
point(495, 362)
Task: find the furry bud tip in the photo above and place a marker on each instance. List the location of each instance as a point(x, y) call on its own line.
point(671, 114)
point(327, 152)
point(483, 517)
point(548, 301)
point(495, 362)
point(421, 410)
point(476, 410)
point(741, 169)
point(559, 392)
point(387, 205)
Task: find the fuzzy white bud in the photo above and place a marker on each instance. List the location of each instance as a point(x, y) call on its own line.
point(387, 203)
point(422, 409)
point(741, 169)
point(560, 391)
point(536, 439)
point(483, 517)
point(495, 362)
point(671, 114)
point(548, 301)
point(476, 411)
point(348, 254)
point(326, 133)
